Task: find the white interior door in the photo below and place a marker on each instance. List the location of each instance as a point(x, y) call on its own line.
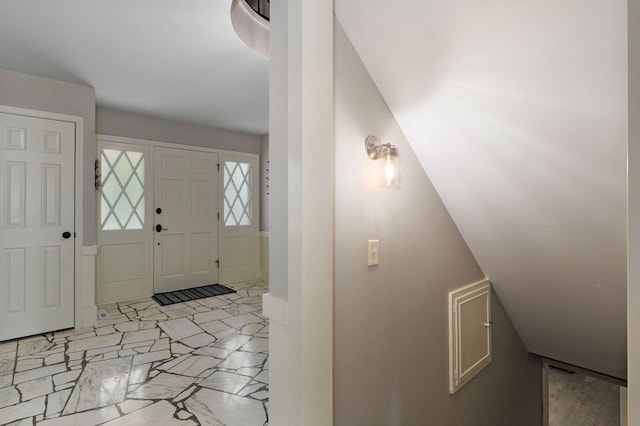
point(185, 211)
point(124, 223)
point(36, 225)
point(240, 215)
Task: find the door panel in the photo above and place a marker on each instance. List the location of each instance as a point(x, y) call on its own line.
point(17, 286)
point(186, 197)
point(51, 276)
point(239, 228)
point(124, 228)
point(37, 177)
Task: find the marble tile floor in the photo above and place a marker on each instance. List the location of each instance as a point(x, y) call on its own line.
point(202, 362)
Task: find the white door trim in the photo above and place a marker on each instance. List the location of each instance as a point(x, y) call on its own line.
point(85, 314)
point(152, 143)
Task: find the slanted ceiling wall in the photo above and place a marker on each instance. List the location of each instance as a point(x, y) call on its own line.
point(517, 112)
point(390, 320)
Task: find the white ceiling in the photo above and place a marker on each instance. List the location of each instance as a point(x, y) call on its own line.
point(167, 58)
point(517, 111)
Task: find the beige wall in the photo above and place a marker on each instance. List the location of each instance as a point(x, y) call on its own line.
point(43, 94)
point(390, 321)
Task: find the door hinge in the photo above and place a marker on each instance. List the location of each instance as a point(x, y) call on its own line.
point(218, 215)
point(98, 175)
point(218, 263)
point(218, 167)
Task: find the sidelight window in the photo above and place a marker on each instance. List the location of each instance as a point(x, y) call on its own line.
point(122, 196)
point(237, 193)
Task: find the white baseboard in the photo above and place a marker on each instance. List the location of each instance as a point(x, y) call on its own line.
point(275, 309)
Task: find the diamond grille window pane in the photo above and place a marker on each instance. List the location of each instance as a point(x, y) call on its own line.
point(237, 194)
point(122, 195)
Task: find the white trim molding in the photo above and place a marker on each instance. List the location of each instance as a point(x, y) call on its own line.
point(275, 309)
point(624, 406)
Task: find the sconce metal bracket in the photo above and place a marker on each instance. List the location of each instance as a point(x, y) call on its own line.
point(372, 145)
point(376, 149)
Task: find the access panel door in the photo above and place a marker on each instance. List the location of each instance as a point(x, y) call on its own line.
point(185, 211)
point(37, 171)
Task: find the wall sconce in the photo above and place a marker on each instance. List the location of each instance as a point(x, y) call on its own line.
point(390, 170)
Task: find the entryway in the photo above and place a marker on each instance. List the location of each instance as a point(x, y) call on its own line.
point(173, 217)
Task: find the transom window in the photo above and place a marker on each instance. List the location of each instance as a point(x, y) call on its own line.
point(122, 195)
point(237, 193)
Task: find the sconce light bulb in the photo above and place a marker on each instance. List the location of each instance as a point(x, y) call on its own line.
point(389, 170)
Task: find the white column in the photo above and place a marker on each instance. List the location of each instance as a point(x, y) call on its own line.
point(311, 146)
point(301, 213)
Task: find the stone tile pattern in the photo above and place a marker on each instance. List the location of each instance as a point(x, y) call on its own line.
point(202, 362)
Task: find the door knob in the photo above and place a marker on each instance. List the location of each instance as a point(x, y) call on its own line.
point(159, 228)
point(66, 234)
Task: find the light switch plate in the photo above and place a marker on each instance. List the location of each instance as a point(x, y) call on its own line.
point(374, 252)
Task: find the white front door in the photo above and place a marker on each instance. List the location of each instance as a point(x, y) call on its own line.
point(185, 212)
point(36, 225)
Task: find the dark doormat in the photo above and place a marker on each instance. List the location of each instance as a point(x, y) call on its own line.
point(171, 297)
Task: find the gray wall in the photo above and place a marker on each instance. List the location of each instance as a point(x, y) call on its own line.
point(114, 122)
point(43, 94)
point(391, 361)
